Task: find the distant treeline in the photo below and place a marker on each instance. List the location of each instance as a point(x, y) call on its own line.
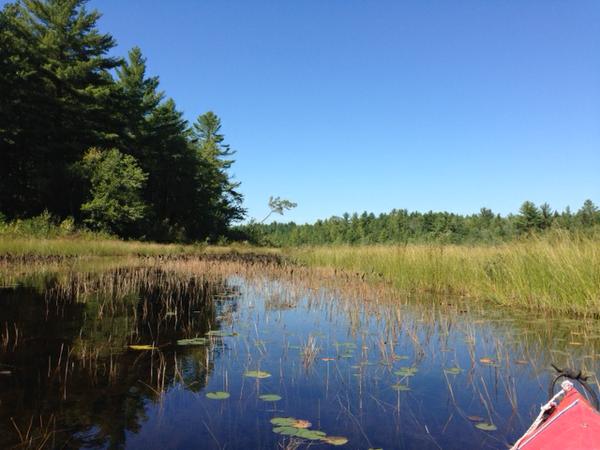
point(90, 136)
point(402, 227)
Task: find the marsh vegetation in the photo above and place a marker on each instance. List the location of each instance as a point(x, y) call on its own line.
point(557, 272)
point(225, 353)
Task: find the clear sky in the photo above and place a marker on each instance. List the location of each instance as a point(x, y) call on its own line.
point(346, 105)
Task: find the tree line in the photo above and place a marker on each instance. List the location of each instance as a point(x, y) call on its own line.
point(91, 136)
point(402, 227)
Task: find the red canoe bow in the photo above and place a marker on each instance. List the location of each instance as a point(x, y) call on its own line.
point(573, 424)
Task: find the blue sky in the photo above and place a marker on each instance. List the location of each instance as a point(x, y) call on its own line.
point(345, 105)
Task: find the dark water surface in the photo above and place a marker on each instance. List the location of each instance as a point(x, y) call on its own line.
point(382, 374)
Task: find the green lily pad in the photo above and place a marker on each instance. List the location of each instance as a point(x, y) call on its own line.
point(256, 374)
point(453, 370)
point(218, 395)
point(400, 387)
point(406, 371)
point(335, 440)
point(269, 397)
point(194, 341)
point(312, 435)
point(485, 426)
point(286, 431)
point(283, 421)
point(220, 333)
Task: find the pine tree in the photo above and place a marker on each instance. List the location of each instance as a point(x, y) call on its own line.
point(216, 189)
point(64, 99)
point(589, 214)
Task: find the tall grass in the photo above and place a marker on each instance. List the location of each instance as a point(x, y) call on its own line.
point(557, 272)
point(44, 235)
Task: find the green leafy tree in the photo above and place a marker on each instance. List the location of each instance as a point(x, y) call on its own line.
point(116, 184)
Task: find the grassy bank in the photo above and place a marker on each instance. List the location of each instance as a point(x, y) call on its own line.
point(87, 246)
point(558, 273)
point(44, 235)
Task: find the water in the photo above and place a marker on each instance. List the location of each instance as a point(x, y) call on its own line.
point(353, 360)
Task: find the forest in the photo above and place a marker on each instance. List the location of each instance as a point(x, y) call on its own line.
point(89, 137)
point(90, 140)
point(403, 227)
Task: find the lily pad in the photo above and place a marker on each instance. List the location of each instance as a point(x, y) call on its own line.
point(475, 418)
point(269, 397)
point(256, 374)
point(286, 431)
point(301, 423)
point(220, 333)
point(283, 421)
point(218, 395)
point(142, 347)
point(487, 361)
point(453, 370)
point(312, 435)
point(335, 440)
point(400, 387)
point(406, 371)
point(485, 426)
point(194, 341)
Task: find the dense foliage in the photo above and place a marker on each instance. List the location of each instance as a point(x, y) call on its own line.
point(401, 227)
point(151, 174)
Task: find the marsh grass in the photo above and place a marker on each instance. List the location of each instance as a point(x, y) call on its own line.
point(99, 245)
point(558, 273)
point(156, 301)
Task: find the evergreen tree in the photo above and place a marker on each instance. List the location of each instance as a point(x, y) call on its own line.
point(59, 98)
point(529, 218)
point(172, 184)
point(221, 199)
point(546, 216)
point(62, 101)
point(589, 214)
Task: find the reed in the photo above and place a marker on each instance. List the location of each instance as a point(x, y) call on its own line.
point(92, 245)
point(557, 273)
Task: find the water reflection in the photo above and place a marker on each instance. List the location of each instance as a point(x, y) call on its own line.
point(95, 359)
point(68, 375)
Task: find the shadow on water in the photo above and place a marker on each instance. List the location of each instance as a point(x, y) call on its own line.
point(68, 374)
point(201, 354)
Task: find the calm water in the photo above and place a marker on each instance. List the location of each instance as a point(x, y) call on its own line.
point(382, 374)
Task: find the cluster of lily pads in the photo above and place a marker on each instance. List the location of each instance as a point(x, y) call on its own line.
point(290, 426)
point(188, 342)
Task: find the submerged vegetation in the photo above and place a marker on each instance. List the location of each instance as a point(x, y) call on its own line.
point(264, 355)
